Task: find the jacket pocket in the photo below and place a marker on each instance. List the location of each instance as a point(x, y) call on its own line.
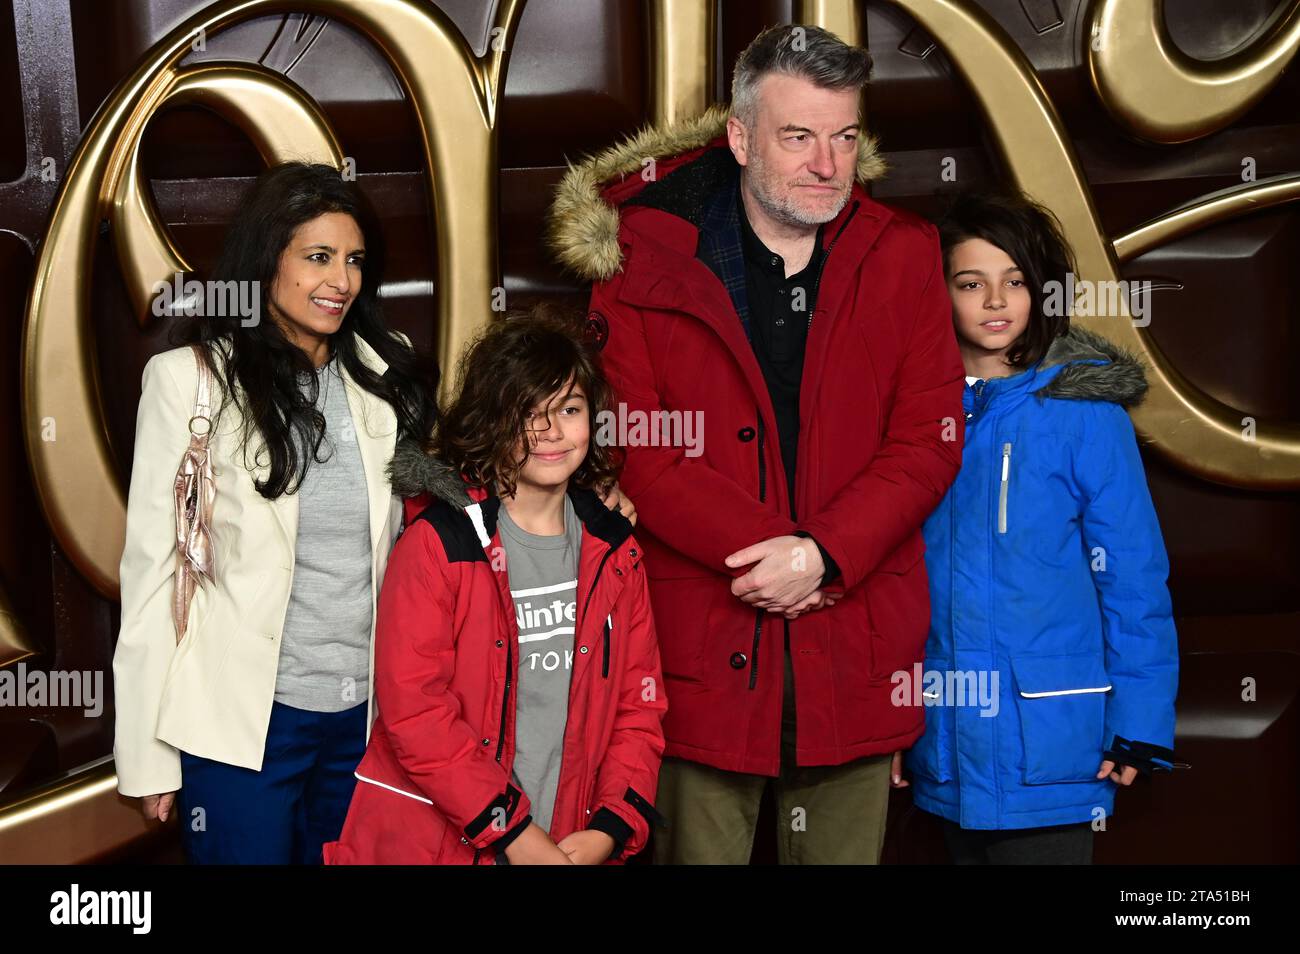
point(213, 627)
point(898, 610)
point(1004, 487)
point(931, 755)
point(694, 618)
point(257, 616)
point(1062, 706)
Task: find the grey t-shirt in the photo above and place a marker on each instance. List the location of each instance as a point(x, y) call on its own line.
point(325, 649)
point(543, 572)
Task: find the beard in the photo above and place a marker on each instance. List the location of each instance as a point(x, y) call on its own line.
point(776, 197)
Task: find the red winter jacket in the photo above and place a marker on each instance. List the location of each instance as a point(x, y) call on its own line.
point(434, 786)
point(879, 443)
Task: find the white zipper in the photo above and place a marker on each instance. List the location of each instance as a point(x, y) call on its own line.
point(1064, 692)
point(1002, 492)
point(418, 798)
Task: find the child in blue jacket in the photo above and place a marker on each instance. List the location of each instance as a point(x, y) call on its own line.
point(1052, 661)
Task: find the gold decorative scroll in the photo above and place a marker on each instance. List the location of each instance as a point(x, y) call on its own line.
point(842, 19)
point(76, 819)
point(682, 41)
point(1159, 93)
point(283, 122)
point(454, 94)
point(15, 644)
point(1207, 210)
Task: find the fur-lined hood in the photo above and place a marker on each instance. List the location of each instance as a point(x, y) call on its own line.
point(582, 229)
point(412, 472)
point(1071, 363)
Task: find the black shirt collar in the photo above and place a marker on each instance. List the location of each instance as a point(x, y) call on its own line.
point(758, 254)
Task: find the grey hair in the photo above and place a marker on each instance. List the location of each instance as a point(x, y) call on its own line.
point(795, 50)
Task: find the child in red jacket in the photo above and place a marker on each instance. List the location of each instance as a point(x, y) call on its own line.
point(516, 668)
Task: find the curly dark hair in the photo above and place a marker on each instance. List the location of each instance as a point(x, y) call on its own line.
point(516, 363)
point(265, 366)
point(1031, 236)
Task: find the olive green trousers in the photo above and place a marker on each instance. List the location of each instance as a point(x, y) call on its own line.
point(825, 814)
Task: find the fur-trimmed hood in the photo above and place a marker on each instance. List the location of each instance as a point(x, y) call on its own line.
point(413, 472)
point(1075, 374)
point(582, 227)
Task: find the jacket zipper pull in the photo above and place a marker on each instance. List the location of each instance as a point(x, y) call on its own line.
point(1002, 491)
point(977, 390)
point(604, 663)
point(825, 255)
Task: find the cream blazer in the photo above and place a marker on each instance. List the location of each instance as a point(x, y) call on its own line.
point(211, 696)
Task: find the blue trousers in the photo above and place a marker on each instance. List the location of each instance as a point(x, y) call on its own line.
point(284, 813)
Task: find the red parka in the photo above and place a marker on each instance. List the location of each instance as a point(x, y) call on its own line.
point(879, 443)
point(434, 786)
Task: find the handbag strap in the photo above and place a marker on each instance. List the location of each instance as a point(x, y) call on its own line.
point(195, 493)
point(202, 399)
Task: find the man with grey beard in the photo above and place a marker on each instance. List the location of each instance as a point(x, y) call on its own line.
point(741, 271)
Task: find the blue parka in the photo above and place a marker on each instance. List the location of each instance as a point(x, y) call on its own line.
point(1051, 636)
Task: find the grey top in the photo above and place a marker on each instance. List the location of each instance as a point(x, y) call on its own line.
point(543, 572)
point(325, 649)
